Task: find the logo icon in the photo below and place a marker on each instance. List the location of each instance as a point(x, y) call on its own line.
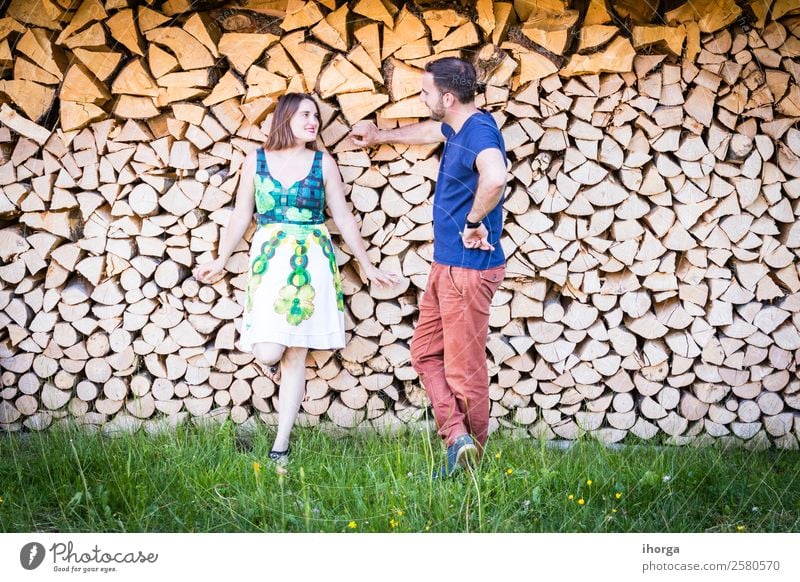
point(31, 555)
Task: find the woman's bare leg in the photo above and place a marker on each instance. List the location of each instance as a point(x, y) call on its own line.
point(292, 390)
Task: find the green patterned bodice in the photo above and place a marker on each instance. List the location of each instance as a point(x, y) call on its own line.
point(302, 203)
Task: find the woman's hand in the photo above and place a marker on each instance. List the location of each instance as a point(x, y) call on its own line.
point(381, 278)
point(207, 272)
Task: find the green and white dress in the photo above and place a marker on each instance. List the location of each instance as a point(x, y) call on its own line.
point(294, 292)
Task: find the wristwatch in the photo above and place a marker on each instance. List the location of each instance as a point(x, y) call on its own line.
point(472, 224)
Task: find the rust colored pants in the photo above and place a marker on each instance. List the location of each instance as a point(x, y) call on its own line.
point(448, 349)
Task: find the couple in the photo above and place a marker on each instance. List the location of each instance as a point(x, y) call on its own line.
point(294, 298)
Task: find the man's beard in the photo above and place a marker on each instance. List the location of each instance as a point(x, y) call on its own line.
point(437, 113)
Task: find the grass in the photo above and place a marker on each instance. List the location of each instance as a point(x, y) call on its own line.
point(212, 480)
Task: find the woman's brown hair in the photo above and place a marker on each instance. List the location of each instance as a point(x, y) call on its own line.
point(280, 133)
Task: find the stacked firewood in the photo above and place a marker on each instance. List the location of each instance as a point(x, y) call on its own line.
point(651, 215)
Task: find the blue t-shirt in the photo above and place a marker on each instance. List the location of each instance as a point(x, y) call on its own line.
point(455, 194)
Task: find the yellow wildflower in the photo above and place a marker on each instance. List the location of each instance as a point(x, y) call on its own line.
point(497, 455)
point(589, 482)
point(352, 525)
point(613, 511)
point(393, 523)
point(581, 501)
point(617, 494)
point(740, 528)
point(256, 468)
point(400, 512)
point(509, 471)
point(570, 497)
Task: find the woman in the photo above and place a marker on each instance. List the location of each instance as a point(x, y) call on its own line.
point(294, 295)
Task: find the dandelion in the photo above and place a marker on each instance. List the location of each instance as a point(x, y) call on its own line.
point(393, 523)
point(618, 495)
point(256, 468)
point(740, 528)
point(509, 471)
point(589, 482)
point(570, 497)
point(581, 501)
point(352, 525)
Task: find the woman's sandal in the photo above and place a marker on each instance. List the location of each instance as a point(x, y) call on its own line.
point(280, 458)
point(271, 372)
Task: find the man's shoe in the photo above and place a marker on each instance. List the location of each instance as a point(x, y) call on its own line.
point(462, 453)
point(466, 453)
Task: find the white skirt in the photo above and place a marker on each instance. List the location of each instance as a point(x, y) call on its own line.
point(294, 292)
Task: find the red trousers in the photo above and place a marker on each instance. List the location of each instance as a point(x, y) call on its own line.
point(448, 349)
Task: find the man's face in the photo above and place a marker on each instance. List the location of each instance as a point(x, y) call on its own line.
point(432, 97)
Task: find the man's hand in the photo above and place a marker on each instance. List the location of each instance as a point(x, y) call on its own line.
point(364, 134)
point(477, 238)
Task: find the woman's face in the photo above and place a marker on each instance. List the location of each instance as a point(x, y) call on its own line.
point(305, 122)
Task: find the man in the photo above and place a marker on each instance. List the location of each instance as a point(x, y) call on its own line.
point(448, 349)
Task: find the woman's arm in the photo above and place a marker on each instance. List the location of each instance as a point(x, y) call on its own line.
point(346, 222)
point(240, 219)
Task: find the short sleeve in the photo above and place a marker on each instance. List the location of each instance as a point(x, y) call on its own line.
point(447, 131)
point(483, 137)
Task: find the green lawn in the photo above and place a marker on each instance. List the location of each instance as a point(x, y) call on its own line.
point(211, 480)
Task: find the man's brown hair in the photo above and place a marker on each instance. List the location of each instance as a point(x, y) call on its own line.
point(454, 75)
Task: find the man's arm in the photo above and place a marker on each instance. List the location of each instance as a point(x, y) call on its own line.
point(492, 176)
point(491, 183)
point(366, 133)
